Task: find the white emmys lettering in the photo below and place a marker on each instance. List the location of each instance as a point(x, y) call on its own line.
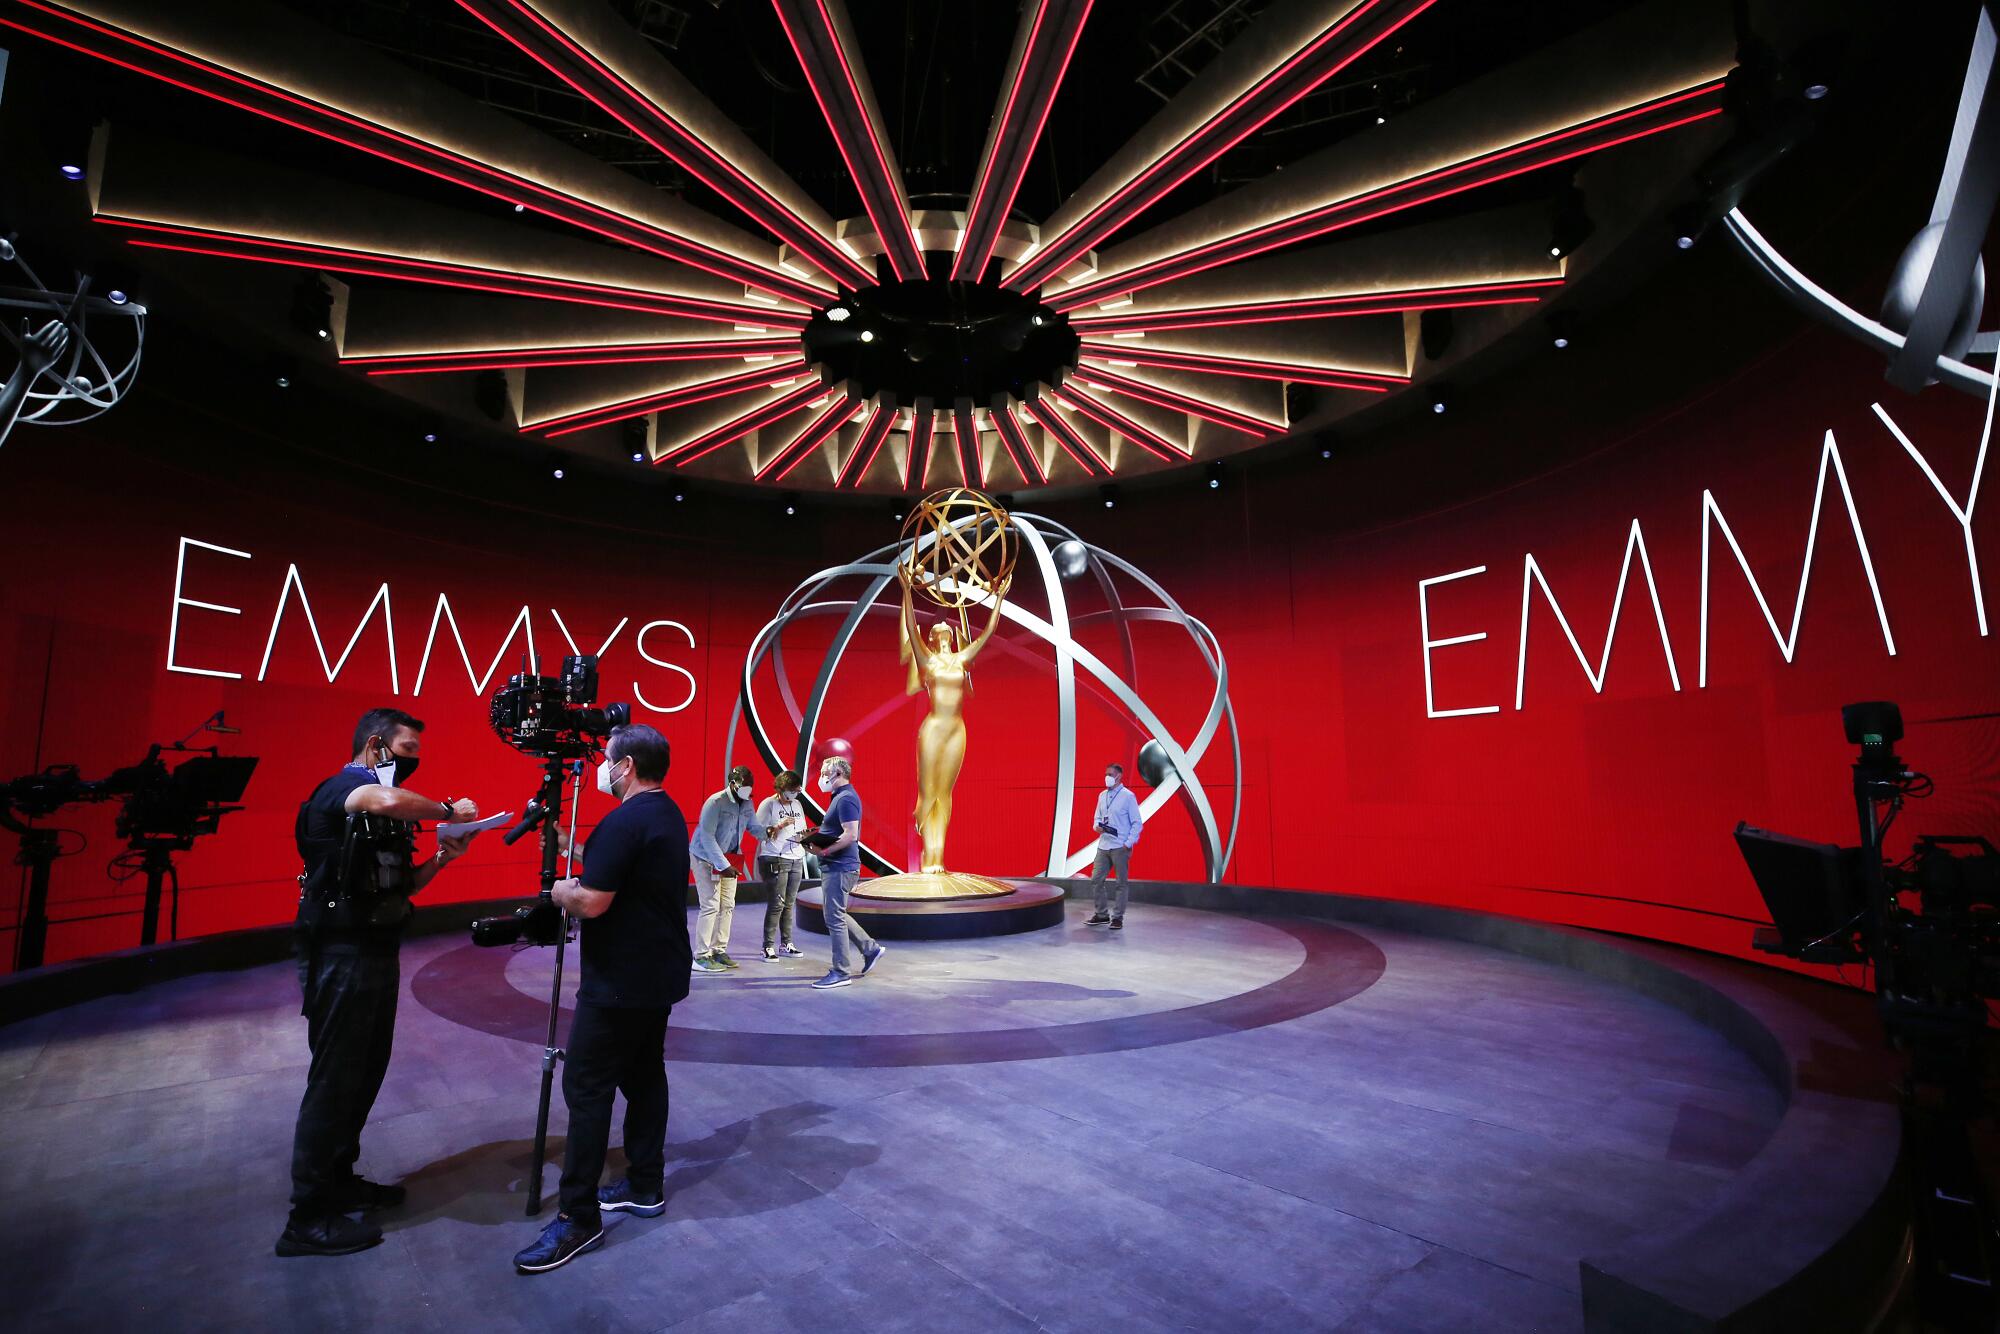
point(1712, 520)
point(293, 589)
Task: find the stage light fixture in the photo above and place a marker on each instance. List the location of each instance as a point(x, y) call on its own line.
point(1440, 400)
point(1325, 452)
point(867, 335)
point(1215, 475)
point(116, 297)
point(1109, 495)
point(430, 437)
point(520, 208)
point(838, 313)
point(558, 473)
point(638, 457)
point(678, 497)
point(1035, 320)
point(1570, 223)
point(72, 172)
point(284, 382)
point(791, 504)
point(1815, 91)
point(1562, 329)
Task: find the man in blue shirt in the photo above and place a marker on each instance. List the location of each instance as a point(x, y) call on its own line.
point(840, 867)
point(718, 837)
point(1118, 827)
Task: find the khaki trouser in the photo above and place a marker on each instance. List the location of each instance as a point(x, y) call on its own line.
point(717, 894)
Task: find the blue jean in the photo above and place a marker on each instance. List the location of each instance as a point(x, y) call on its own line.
point(841, 928)
point(1108, 860)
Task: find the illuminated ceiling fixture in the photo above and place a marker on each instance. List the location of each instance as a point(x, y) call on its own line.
point(718, 328)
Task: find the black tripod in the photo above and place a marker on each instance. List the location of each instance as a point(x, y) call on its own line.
point(545, 811)
point(155, 860)
point(39, 850)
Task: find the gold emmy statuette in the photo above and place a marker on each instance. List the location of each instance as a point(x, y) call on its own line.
point(958, 553)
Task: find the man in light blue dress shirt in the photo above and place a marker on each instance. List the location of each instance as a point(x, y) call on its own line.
point(1118, 828)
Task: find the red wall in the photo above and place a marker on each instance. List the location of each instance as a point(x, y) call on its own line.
point(1608, 809)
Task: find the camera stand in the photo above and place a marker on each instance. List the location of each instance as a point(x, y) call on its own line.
point(546, 810)
point(39, 850)
point(156, 862)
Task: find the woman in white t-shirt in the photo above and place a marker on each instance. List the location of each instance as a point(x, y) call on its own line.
point(781, 861)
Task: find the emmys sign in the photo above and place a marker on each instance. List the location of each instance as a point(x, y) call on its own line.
point(196, 560)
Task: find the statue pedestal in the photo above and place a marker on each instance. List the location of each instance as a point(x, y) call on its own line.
point(1023, 905)
point(932, 886)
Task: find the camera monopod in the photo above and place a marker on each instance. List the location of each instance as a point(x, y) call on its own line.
point(549, 800)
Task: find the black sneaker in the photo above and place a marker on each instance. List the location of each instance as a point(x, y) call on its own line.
point(870, 959)
point(561, 1241)
point(1117, 924)
point(358, 1194)
point(620, 1198)
point(331, 1235)
point(1099, 920)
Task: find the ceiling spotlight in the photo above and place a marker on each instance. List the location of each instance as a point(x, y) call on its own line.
point(867, 335)
point(838, 313)
point(116, 297)
point(1325, 452)
point(73, 173)
point(520, 208)
point(284, 382)
point(324, 334)
point(1109, 495)
point(558, 474)
point(1439, 400)
point(1437, 405)
point(791, 504)
point(638, 458)
point(1815, 91)
point(430, 437)
point(1684, 241)
point(1381, 119)
point(1215, 475)
point(1561, 340)
point(1035, 320)
point(1561, 329)
point(678, 497)
point(1570, 223)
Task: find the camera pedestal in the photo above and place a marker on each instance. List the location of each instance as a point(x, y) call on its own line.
point(1028, 905)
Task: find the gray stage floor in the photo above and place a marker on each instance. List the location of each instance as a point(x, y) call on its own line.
point(1208, 1122)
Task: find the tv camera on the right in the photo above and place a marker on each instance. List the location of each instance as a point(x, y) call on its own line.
point(1929, 924)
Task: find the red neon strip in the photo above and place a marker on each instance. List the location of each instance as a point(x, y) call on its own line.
point(531, 282)
point(1017, 445)
point(747, 272)
point(1112, 419)
point(685, 395)
point(1069, 440)
point(795, 228)
point(751, 346)
point(737, 428)
point(973, 217)
point(1270, 312)
point(896, 261)
point(922, 426)
point(1177, 402)
point(443, 364)
point(1044, 269)
point(873, 436)
point(1117, 284)
point(816, 431)
point(904, 234)
point(1323, 376)
point(663, 309)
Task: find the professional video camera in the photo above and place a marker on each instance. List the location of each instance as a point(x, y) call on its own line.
point(164, 809)
point(551, 716)
point(1936, 960)
point(555, 718)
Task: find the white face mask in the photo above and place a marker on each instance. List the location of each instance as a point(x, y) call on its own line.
point(826, 785)
point(1111, 780)
point(604, 778)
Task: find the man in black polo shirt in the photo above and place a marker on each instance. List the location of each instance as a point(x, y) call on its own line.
point(355, 834)
point(632, 898)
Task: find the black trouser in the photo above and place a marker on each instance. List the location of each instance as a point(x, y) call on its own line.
point(350, 1010)
point(614, 1050)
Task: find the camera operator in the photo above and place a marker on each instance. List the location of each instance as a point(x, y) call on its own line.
point(357, 836)
point(632, 898)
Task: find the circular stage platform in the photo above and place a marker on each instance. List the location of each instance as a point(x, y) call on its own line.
point(1212, 1120)
point(1031, 907)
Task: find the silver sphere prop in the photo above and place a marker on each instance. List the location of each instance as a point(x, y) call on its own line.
point(1906, 287)
point(1171, 763)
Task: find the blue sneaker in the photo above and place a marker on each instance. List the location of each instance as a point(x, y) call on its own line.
point(561, 1241)
point(868, 959)
point(621, 1198)
point(834, 978)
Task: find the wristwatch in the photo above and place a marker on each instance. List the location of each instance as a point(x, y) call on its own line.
point(450, 809)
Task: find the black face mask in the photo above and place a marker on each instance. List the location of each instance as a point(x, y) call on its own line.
point(405, 766)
